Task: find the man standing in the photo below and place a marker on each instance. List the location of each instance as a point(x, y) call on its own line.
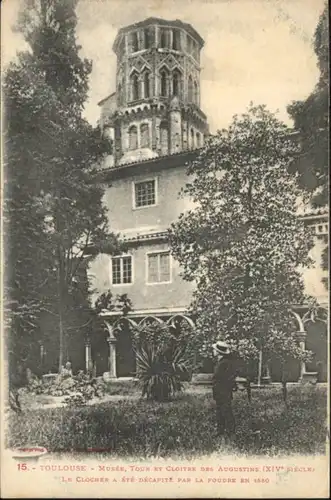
point(224, 382)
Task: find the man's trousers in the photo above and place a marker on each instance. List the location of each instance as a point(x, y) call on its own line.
point(225, 418)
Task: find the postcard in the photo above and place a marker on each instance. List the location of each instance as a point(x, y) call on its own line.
point(165, 249)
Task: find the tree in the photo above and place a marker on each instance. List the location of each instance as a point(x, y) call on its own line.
point(28, 103)
point(55, 152)
point(311, 121)
point(242, 243)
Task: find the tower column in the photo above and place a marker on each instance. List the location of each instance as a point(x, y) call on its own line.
point(175, 121)
point(141, 87)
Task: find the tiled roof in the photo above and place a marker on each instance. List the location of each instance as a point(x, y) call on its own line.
point(145, 236)
point(105, 98)
point(315, 212)
point(148, 160)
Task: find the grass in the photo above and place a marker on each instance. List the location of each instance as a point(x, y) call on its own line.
point(122, 387)
point(184, 427)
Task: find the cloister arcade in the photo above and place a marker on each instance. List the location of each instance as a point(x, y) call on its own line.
point(117, 359)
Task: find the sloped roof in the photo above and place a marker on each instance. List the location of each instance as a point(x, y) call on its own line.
point(106, 98)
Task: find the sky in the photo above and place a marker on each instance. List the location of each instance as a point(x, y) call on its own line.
point(255, 50)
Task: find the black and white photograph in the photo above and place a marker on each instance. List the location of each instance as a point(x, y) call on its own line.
point(165, 208)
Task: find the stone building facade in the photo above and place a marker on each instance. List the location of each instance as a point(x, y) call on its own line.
point(157, 125)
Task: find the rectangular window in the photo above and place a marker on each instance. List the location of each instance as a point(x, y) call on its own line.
point(158, 267)
point(145, 194)
point(122, 270)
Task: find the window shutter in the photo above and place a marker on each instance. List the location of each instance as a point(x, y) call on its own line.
point(153, 268)
point(164, 267)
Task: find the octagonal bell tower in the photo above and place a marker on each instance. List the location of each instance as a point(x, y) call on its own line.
point(155, 110)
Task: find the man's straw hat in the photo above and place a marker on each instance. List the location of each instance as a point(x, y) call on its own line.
point(221, 347)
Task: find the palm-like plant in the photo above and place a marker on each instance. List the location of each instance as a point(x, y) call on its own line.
point(160, 372)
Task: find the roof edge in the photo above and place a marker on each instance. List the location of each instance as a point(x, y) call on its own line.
point(105, 98)
point(158, 20)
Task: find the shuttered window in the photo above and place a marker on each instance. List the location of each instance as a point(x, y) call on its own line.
point(158, 267)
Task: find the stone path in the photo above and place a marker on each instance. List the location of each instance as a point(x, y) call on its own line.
point(42, 401)
point(45, 402)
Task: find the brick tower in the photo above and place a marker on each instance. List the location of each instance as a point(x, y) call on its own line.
point(155, 110)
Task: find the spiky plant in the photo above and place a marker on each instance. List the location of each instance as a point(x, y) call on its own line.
point(160, 373)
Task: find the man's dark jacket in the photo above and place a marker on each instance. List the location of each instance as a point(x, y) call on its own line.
point(224, 379)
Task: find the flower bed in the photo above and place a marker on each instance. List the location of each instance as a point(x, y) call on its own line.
point(79, 388)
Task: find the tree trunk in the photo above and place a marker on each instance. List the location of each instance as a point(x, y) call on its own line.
point(61, 329)
point(284, 389)
point(249, 389)
point(62, 347)
point(259, 375)
point(284, 384)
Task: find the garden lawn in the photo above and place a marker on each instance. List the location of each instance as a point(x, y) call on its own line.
point(122, 388)
point(184, 427)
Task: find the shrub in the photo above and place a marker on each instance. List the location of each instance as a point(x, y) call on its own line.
point(163, 359)
point(77, 387)
point(75, 400)
point(160, 372)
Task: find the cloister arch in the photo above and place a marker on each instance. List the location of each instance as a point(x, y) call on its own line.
point(187, 319)
point(310, 326)
point(122, 360)
point(145, 319)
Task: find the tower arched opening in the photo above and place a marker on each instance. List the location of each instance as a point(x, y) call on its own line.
point(146, 84)
point(164, 138)
point(144, 135)
point(164, 82)
point(133, 138)
point(134, 87)
point(176, 83)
